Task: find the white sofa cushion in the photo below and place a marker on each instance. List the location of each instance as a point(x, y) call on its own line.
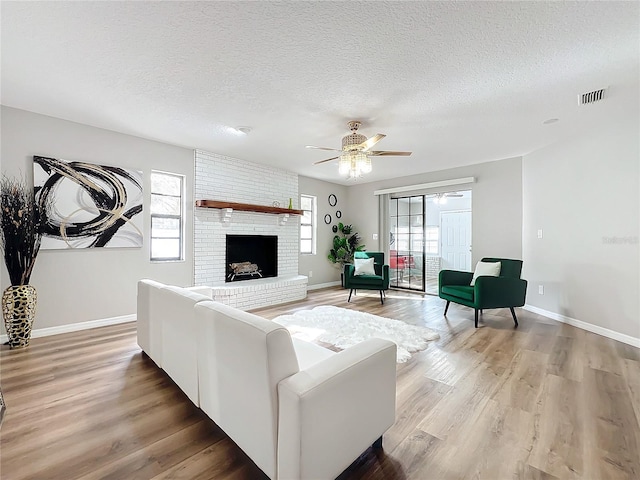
point(243, 357)
point(201, 289)
point(309, 354)
point(179, 333)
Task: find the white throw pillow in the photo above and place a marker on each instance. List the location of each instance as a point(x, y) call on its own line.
point(364, 266)
point(486, 269)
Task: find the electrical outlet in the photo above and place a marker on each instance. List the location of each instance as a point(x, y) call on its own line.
point(539, 233)
point(375, 236)
point(310, 273)
point(540, 289)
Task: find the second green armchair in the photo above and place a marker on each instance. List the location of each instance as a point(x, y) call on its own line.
point(507, 290)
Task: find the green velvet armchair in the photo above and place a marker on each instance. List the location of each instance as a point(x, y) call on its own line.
point(379, 281)
point(505, 291)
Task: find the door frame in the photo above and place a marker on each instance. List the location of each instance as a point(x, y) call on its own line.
point(424, 265)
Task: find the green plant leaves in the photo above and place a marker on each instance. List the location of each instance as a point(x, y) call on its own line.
point(344, 245)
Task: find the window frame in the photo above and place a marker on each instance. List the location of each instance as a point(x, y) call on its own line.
point(179, 217)
point(313, 224)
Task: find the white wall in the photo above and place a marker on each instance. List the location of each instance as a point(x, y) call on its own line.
point(80, 285)
point(496, 203)
point(584, 193)
point(323, 270)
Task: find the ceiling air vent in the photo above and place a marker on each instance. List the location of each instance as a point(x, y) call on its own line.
point(592, 97)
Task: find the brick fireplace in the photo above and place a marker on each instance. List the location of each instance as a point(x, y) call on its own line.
point(250, 257)
point(228, 179)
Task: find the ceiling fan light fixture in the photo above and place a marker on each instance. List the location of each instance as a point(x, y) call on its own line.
point(363, 163)
point(354, 164)
point(352, 141)
point(344, 164)
point(355, 156)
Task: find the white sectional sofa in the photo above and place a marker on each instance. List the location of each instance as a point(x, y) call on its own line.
point(298, 410)
point(167, 331)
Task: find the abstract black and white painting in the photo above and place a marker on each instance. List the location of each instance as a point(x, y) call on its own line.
point(88, 205)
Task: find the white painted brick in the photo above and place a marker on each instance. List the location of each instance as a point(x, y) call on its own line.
point(224, 178)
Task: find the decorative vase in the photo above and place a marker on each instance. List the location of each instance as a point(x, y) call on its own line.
point(19, 311)
point(290, 203)
point(3, 407)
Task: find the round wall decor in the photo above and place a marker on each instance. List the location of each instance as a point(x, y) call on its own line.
point(333, 200)
point(338, 214)
point(327, 219)
point(335, 229)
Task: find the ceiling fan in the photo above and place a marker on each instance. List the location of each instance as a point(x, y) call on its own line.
point(356, 152)
point(448, 194)
point(441, 198)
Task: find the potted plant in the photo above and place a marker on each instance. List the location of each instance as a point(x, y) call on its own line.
point(345, 245)
point(21, 231)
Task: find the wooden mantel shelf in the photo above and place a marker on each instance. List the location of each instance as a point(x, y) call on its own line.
point(247, 207)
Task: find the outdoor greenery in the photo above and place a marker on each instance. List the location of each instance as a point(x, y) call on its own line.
point(21, 229)
point(345, 245)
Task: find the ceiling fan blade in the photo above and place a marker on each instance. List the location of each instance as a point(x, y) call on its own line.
point(323, 148)
point(367, 144)
point(327, 160)
point(384, 153)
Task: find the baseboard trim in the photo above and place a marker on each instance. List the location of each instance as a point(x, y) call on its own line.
point(103, 322)
point(589, 327)
point(76, 327)
point(323, 285)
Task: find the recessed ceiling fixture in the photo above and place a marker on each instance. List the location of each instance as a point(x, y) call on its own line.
point(592, 97)
point(551, 120)
point(441, 198)
point(239, 131)
point(355, 159)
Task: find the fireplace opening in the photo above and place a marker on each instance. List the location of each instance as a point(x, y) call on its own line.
point(249, 257)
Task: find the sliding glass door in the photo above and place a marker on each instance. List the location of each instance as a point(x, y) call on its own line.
point(428, 233)
point(406, 242)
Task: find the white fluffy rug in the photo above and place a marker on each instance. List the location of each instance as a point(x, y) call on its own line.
point(344, 328)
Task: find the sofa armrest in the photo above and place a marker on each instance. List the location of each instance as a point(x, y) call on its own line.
point(454, 277)
point(149, 327)
point(499, 292)
point(333, 411)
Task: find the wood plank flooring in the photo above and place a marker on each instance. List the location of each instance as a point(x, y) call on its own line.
point(545, 401)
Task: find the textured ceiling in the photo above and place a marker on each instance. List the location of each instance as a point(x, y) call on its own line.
point(455, 82)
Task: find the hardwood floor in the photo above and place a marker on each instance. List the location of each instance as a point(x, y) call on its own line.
point(544, 401)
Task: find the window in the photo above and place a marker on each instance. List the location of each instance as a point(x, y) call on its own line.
point(432, 239)
point(308, 225)
point(167, 219)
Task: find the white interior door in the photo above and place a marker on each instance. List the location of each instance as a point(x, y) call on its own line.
point(455, 240)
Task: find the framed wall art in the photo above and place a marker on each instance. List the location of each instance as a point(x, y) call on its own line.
point(88, 205)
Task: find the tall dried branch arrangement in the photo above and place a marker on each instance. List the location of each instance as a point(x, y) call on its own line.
point(21, 229)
